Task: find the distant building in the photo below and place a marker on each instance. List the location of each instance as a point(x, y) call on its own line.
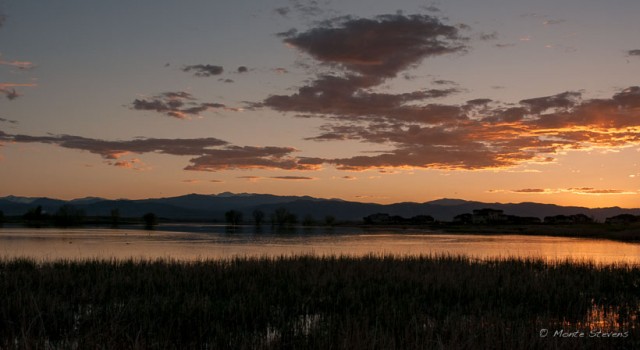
point(377, 219)
point(581, 219)
point(622, 219)
point(488, 216)
point(386, 219)
point(463, 219)
point(568, 219)
point(422, 220)
point(523, 220)
point(494, 216)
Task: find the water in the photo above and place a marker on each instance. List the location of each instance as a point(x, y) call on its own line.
point(192, 242)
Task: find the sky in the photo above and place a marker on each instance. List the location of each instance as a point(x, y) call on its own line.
point(370, 101)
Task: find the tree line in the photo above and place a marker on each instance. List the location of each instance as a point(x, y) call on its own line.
point(280, 217)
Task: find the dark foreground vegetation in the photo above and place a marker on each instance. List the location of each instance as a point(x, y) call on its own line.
point(319, 303)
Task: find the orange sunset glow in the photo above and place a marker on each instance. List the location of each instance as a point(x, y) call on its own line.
point(380, 102)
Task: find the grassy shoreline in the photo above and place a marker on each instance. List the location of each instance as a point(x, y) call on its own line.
point(385, 302)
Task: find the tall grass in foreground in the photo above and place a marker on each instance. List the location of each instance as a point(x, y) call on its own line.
point(318, 302)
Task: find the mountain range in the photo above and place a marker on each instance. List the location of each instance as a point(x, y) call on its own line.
point(213, 207)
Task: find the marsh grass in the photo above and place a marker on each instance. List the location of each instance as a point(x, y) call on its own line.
point(375, 302)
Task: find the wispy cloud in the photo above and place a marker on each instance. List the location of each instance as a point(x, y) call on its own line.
point(294, 178)
point(209, 154)
point(476, 136)
point(249, 157)
point(553, 21)
point(203, 70)
point(180, 105)
point(304, 9)
point(10, 121)
point(572, 190)
point(196, 181)
point(22, 65)
point(9, 91)
point(133, 163)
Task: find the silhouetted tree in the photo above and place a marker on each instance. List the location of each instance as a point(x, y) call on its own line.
point(150, 220)
point(329, 220)
point(308, 220)
point(68, 215)
point(35, 216)
point(115, 217)
point(258, 217)
point(233, 217)
point(283, 217)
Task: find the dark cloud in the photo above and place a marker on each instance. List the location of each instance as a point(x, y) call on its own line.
point(178, 104)
point(444, 82)
point(289, 33)
point(479, 102)
point(308, 8)
point(295, 178)
point(282, 11)
point(115, 149)
point(633, 52)
point(8, 121)
point(203, 70)
point(236, 157)
point(349, 97)
point(243, 69)
point(127, 164)
point(541, 104)
point(487, 134)
point(10, 93)
point(431, 8)
point(531, 190)
point(379, 47)
point(478, 134)
point(209, 154)
point(194, 181)
point(488, 36)
point(502, 46)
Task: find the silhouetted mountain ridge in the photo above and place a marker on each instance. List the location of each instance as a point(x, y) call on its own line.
point(213, 206)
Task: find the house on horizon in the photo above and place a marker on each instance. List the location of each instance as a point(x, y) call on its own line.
point(377, 219)
point(568, 219)
point(386, 219)
point(488, 216)
point(622, 219)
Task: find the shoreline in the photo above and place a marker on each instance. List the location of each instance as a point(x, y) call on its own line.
point(622, 233)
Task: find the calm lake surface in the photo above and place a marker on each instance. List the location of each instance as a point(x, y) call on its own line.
point(192, 242)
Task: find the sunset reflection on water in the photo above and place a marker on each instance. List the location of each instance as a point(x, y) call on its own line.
point(215, 242)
